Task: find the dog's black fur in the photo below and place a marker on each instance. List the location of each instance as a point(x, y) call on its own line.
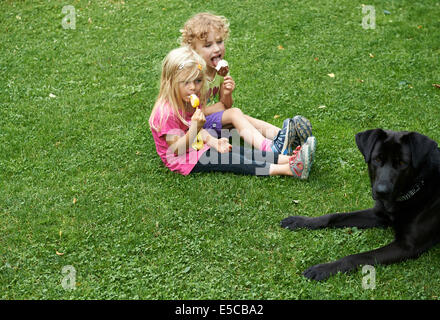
point(404, 170)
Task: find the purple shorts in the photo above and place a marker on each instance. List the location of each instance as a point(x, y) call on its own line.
point(214, 122)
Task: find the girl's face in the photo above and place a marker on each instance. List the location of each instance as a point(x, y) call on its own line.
point(189, 87)
point(212, 50)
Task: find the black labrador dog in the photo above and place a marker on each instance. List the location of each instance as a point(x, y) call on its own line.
point(404, 170)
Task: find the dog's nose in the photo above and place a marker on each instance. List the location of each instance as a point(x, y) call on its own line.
point(383, 190)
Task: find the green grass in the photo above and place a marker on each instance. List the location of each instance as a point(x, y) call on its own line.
point(138, 231)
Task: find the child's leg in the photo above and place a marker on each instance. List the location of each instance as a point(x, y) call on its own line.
point(246, 130)
point(243, 161)
point(268, 130)
point(280, 170)
point(259, 163)
point(283, 159)
point(238, 161)
point(297, 165)
point(294, 133)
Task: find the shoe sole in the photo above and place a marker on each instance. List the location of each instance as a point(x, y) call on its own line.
point(308, 148)
point(289, 136)
point(303, 129)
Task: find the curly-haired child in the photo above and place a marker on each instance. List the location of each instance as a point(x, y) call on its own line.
point(207, 33)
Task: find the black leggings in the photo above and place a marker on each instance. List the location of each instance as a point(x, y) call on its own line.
point(240, 161)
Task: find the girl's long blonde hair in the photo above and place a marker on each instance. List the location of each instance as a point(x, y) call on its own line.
point(180, 65)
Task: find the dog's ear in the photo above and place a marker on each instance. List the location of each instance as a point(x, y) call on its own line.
point(421, 146)
point(367, 139)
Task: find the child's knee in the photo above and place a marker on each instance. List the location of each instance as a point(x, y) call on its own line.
point(236, 112)
point(232, 115)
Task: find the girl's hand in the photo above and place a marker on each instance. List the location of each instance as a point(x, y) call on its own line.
point(198, 119)
point(222, 145)
point(228, 85)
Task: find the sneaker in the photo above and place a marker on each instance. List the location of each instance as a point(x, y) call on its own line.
point(302, 159)
point(311, 142)
point(303, 130)
point(284, 139)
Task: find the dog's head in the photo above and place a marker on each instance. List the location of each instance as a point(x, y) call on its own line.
point(396, 161)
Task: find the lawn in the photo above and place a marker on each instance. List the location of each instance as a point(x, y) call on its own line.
point(83, 190)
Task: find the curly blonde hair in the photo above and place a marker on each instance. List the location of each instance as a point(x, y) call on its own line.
point(199, 26)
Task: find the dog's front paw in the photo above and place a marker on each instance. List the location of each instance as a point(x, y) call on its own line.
point(320, 271)
point(324, 270)
point(296, 222)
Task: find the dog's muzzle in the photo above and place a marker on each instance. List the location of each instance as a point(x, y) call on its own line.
point(382, 191)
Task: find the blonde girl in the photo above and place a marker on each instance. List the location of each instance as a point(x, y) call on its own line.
point(174, 124)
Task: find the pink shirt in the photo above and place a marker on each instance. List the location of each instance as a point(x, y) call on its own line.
point(184, 163)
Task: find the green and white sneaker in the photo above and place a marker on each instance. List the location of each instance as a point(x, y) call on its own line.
point(303, 130)
point(302, 159)
point(294, 133)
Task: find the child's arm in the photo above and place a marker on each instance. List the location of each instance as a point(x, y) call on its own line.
point(226, 90)
point(222, 145)
point(177, 143)
point(180, 145)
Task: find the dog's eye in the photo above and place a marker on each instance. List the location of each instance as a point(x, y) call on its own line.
point(402, 163)
point(378, 160)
